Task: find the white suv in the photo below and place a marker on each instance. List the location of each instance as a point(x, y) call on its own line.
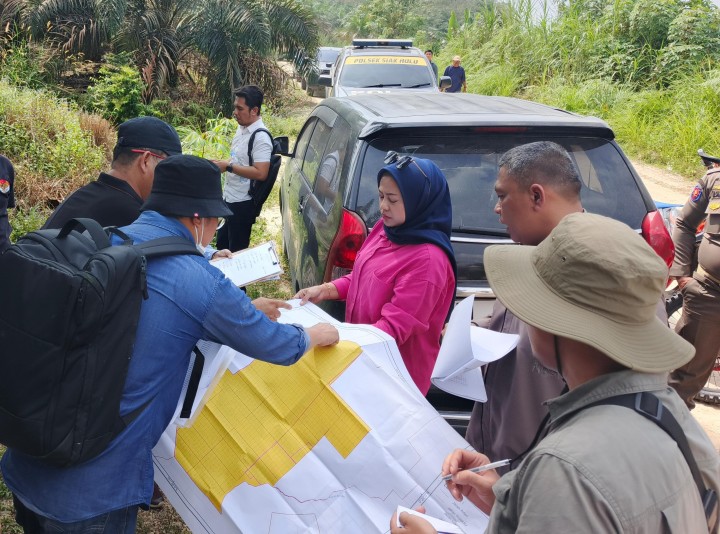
point(381, 66)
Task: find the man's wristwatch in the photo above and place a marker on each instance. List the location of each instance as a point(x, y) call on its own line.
point(229, 167)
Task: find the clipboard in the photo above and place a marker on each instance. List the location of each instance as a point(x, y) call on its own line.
point(254, 264)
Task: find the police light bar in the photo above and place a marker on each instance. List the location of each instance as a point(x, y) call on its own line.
point(364, 43)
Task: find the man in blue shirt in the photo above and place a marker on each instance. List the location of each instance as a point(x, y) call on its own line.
point(457, 75)
point(189, 300)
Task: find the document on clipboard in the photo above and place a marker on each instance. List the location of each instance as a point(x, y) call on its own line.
point(254, 264)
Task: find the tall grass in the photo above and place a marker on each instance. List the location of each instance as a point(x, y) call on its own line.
point(651, 71)
point(52, 152)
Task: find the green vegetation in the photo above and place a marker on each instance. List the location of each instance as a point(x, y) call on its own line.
point(650, 68)
point(213, 44)
point(69, 70)
point(54, 147)
point(118, 92)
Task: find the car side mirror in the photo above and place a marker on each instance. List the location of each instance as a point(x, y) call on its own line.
point(445, 82)
point(326, 80)
point(283, 144)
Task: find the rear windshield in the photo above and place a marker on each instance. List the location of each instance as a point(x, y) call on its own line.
point(327, 55)
point(386, 71)
point(470, 165)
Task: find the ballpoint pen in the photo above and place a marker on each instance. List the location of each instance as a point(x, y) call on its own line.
point(481, 468)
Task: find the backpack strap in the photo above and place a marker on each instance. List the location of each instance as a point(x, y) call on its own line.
point(156, 248)
point(251, 141)
point(167, 246)
point(651, 407)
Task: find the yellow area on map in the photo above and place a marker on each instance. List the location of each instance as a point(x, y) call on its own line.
point(384, 60)
point(261, 421)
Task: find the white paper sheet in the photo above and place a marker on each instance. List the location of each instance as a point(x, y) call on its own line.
point(465, 348)
point(255, 264)
point(343, 482)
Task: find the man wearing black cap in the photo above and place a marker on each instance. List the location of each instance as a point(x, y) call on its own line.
point(701, 288)
point(115, 198)
point(189, 300)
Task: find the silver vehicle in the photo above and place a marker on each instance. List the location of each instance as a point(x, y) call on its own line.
point(380, 66)
point(324, 61)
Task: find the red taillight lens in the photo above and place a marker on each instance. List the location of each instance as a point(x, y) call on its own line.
point(657, 236)
point(348, 240)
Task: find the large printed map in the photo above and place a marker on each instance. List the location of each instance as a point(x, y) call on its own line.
point(333, 443)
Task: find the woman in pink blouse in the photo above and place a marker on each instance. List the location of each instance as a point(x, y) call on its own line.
point(403, 281)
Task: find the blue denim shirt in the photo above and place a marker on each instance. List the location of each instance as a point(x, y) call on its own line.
point(189, 300)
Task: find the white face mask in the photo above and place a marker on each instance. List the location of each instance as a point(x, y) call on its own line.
point(198, 240)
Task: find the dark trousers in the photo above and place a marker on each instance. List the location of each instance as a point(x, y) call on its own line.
point(121, 521)
point(235, 234)
point(699, 325)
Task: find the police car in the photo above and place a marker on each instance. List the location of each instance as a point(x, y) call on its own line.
point(381, 66)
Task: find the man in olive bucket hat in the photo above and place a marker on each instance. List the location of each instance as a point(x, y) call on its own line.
point(589, 294)
point(189, 300)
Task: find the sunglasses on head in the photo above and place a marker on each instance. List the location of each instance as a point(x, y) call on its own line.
point(401, 161)
point(143, 151)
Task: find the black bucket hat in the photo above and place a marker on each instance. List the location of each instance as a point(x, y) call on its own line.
point(187, 186)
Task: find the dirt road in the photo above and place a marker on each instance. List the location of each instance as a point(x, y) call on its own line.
point(663, 185)
point(668, 187)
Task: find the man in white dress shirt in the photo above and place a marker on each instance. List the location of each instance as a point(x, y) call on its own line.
point(241, 169)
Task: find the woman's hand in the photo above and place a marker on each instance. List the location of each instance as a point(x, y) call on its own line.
point(317, 294)
point(271, 307)
point(476, 487)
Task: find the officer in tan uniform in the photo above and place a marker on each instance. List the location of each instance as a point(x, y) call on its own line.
point(700, 321)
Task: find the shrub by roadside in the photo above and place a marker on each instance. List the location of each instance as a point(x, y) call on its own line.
point(54, 148)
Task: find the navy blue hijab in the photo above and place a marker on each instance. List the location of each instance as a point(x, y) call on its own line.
point(428, 210)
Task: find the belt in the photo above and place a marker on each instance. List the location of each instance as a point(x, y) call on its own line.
point(707, 275)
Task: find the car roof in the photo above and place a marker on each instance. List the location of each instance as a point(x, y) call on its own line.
point(377, 112)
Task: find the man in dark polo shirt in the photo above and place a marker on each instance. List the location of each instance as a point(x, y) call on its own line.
point(115, 198)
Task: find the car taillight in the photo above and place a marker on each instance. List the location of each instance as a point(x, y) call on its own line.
point(657, 236)
point(348, 240)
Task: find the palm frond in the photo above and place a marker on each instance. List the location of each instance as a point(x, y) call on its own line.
point(76, 25)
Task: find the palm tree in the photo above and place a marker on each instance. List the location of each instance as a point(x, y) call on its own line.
point(150, 32)
point(76, 26)
point(236, 38)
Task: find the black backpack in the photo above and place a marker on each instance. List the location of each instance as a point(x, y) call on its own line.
point(260, 189)
point(70, 305)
